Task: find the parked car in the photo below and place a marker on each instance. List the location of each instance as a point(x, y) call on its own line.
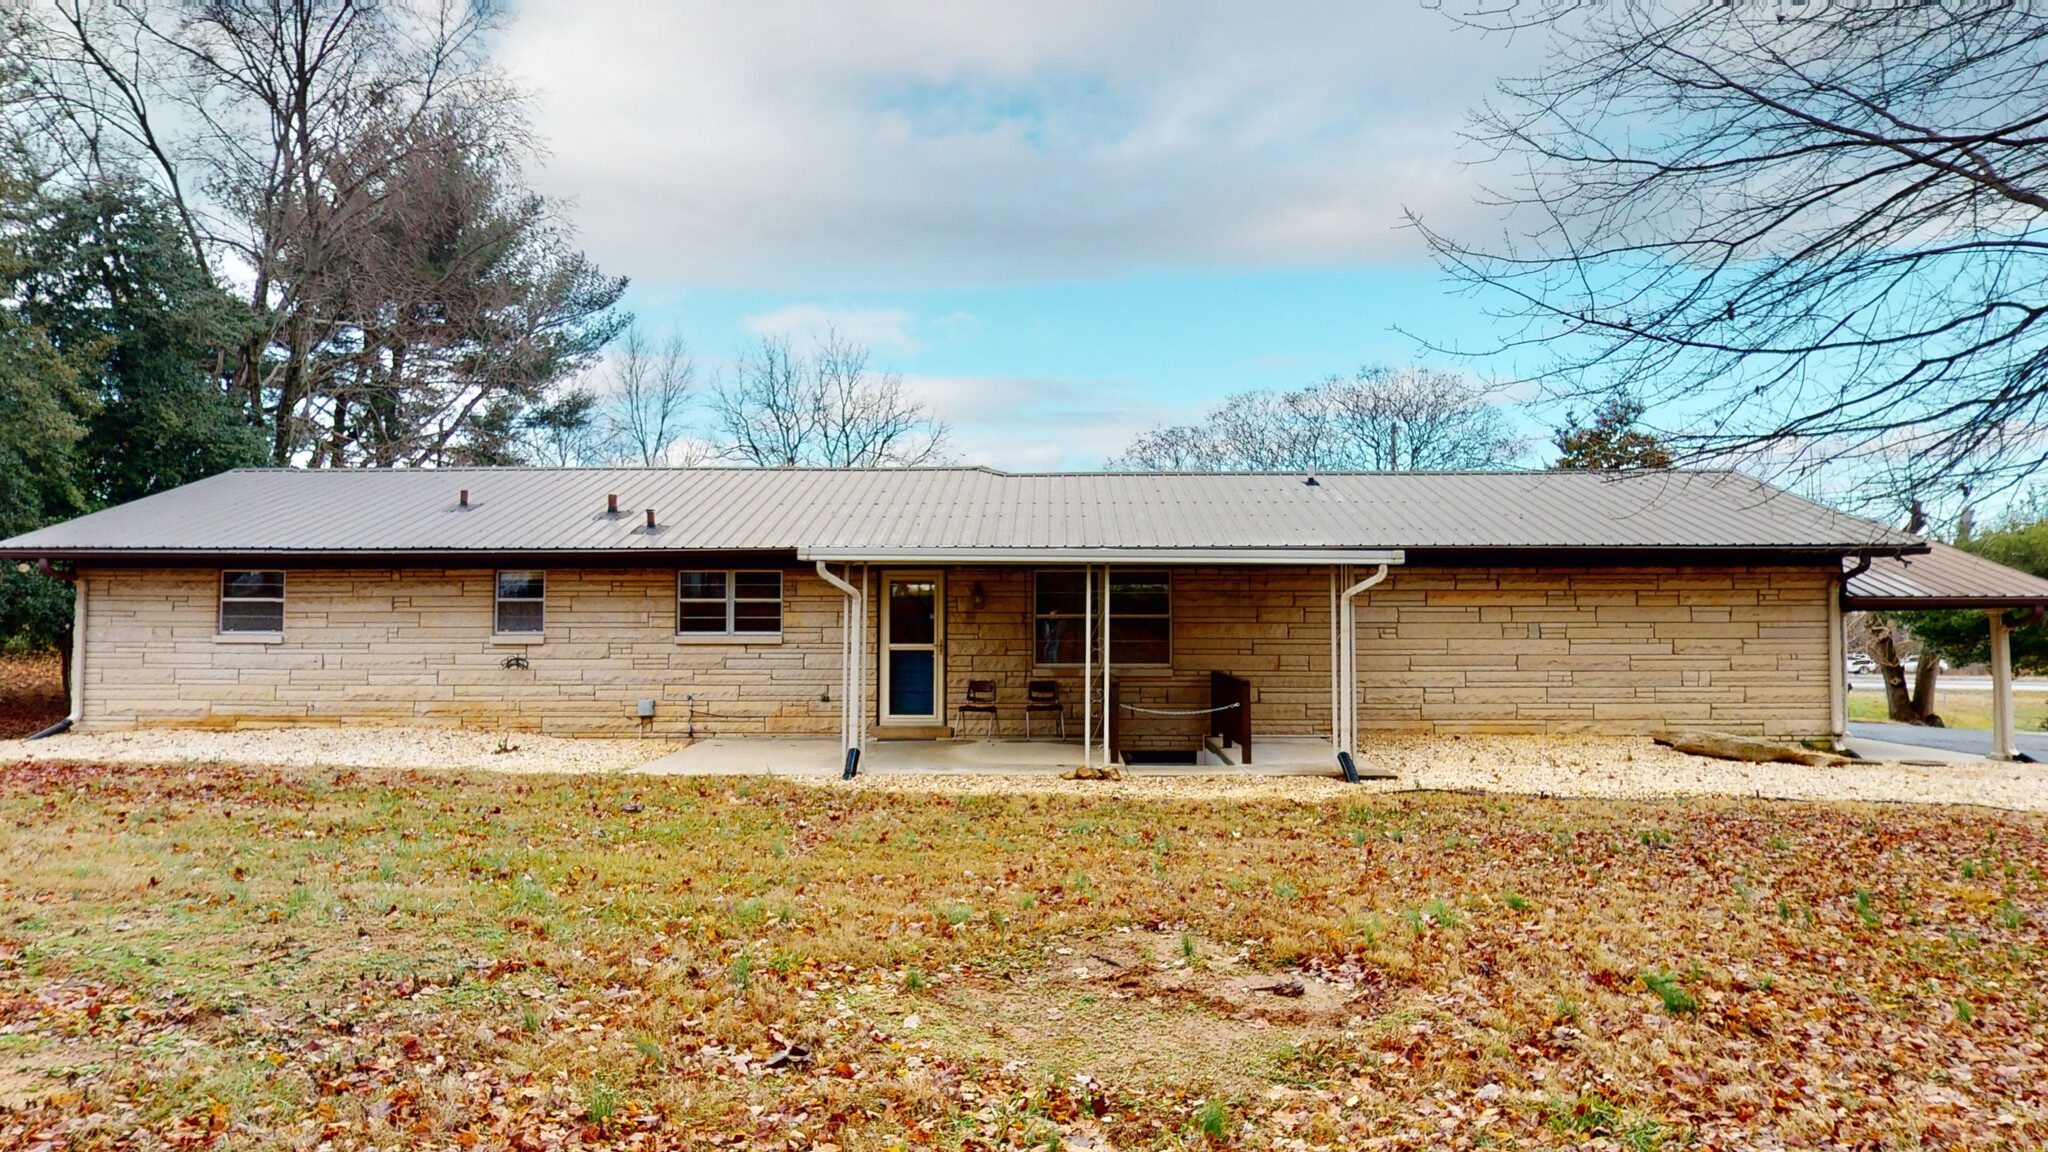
point(1861, 663)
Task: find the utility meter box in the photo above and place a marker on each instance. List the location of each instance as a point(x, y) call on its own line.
point(647, 709)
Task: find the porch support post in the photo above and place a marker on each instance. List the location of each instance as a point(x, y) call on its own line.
point(1108, 721)
point(1088, 664)
point(2003, 745)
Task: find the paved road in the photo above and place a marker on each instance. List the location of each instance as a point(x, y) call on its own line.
point(1956, 683)
point(1976, 740)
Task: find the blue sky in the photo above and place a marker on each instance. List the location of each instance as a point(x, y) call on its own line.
point(1062, 222)
point(1048, 376)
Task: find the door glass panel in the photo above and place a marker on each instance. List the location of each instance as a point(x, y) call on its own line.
point(912, 612)
point(910, 682)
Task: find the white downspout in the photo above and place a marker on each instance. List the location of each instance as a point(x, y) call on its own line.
point(850, 678)
point(1336, 655)
point(860, 669)
point(1350, 672)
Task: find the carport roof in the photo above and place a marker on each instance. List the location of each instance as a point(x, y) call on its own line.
point(1944, 577)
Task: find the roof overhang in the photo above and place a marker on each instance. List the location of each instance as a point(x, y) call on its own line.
point(1930, 603)
point(1274, 556)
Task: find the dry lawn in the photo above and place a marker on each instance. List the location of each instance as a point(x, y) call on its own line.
point(266, 959)
point(1960, 709)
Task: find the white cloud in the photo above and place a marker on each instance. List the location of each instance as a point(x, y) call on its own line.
point(882, 329)
point(1036, 425)
point(892, 143)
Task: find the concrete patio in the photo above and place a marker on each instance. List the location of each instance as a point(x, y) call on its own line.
point(793, 756)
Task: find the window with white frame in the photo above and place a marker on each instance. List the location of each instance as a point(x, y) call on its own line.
point(726, 602)
point(521, 603)
point(251, 602)
point(1140, 617)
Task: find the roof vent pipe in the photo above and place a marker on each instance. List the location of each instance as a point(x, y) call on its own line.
point(611, 504)
point(650, 519)
point(465, 497)
point(1312, 482)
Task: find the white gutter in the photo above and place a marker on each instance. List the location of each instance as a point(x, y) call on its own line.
point(1347, 733)
point(1287, 556)
point(853, 633)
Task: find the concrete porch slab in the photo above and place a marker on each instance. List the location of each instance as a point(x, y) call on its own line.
point(790, 756)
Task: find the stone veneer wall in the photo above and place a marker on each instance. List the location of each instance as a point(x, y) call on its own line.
point(415, 646)
point(1598, 650)
point(1445, 650)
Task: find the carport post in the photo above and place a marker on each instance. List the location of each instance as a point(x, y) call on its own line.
point(2003, 745)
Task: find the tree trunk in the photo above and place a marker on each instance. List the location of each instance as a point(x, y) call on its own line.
point(1924, 678)
point(1884, 649)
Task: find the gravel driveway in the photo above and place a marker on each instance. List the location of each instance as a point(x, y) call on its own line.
point(1586, 766)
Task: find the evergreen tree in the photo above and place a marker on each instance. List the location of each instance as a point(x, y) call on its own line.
point(106, 275)
point(1611, 442)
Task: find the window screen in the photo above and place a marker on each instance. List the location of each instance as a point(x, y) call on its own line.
point(1140, 618)
point(252, 601)
point(521, 602)
point(728, 603)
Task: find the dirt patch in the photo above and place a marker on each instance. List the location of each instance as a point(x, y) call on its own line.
point(31, 695)
point(1187, 970)
point(1134, 1007)
point(27, 1077)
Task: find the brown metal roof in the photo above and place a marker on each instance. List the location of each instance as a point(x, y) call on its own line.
point(945, 513)
point(1944, 577)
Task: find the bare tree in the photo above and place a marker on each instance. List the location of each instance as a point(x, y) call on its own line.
point(646, 412)
point(1816, 230)
point(1419, 420)
point(829, 409)
point(1406, 419)
point(358, 166)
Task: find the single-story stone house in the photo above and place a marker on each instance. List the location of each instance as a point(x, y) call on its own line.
point(694, 602)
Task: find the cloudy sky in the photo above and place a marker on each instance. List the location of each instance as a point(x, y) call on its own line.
point(1063, 222)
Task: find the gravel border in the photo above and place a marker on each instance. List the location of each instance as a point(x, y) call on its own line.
point(1565, 766)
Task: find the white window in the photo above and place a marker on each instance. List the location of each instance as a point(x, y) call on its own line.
point(252, 602)
point(1140, 616)
point(522, 598)
point(728, 603)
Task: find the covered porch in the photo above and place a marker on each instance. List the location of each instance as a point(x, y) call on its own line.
point(1217, 661)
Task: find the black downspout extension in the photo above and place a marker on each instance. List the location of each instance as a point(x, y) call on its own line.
point(1350, 769)
point(852, 764)
point(60, 726)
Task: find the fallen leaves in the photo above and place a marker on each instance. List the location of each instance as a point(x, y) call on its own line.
point(430, 961)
